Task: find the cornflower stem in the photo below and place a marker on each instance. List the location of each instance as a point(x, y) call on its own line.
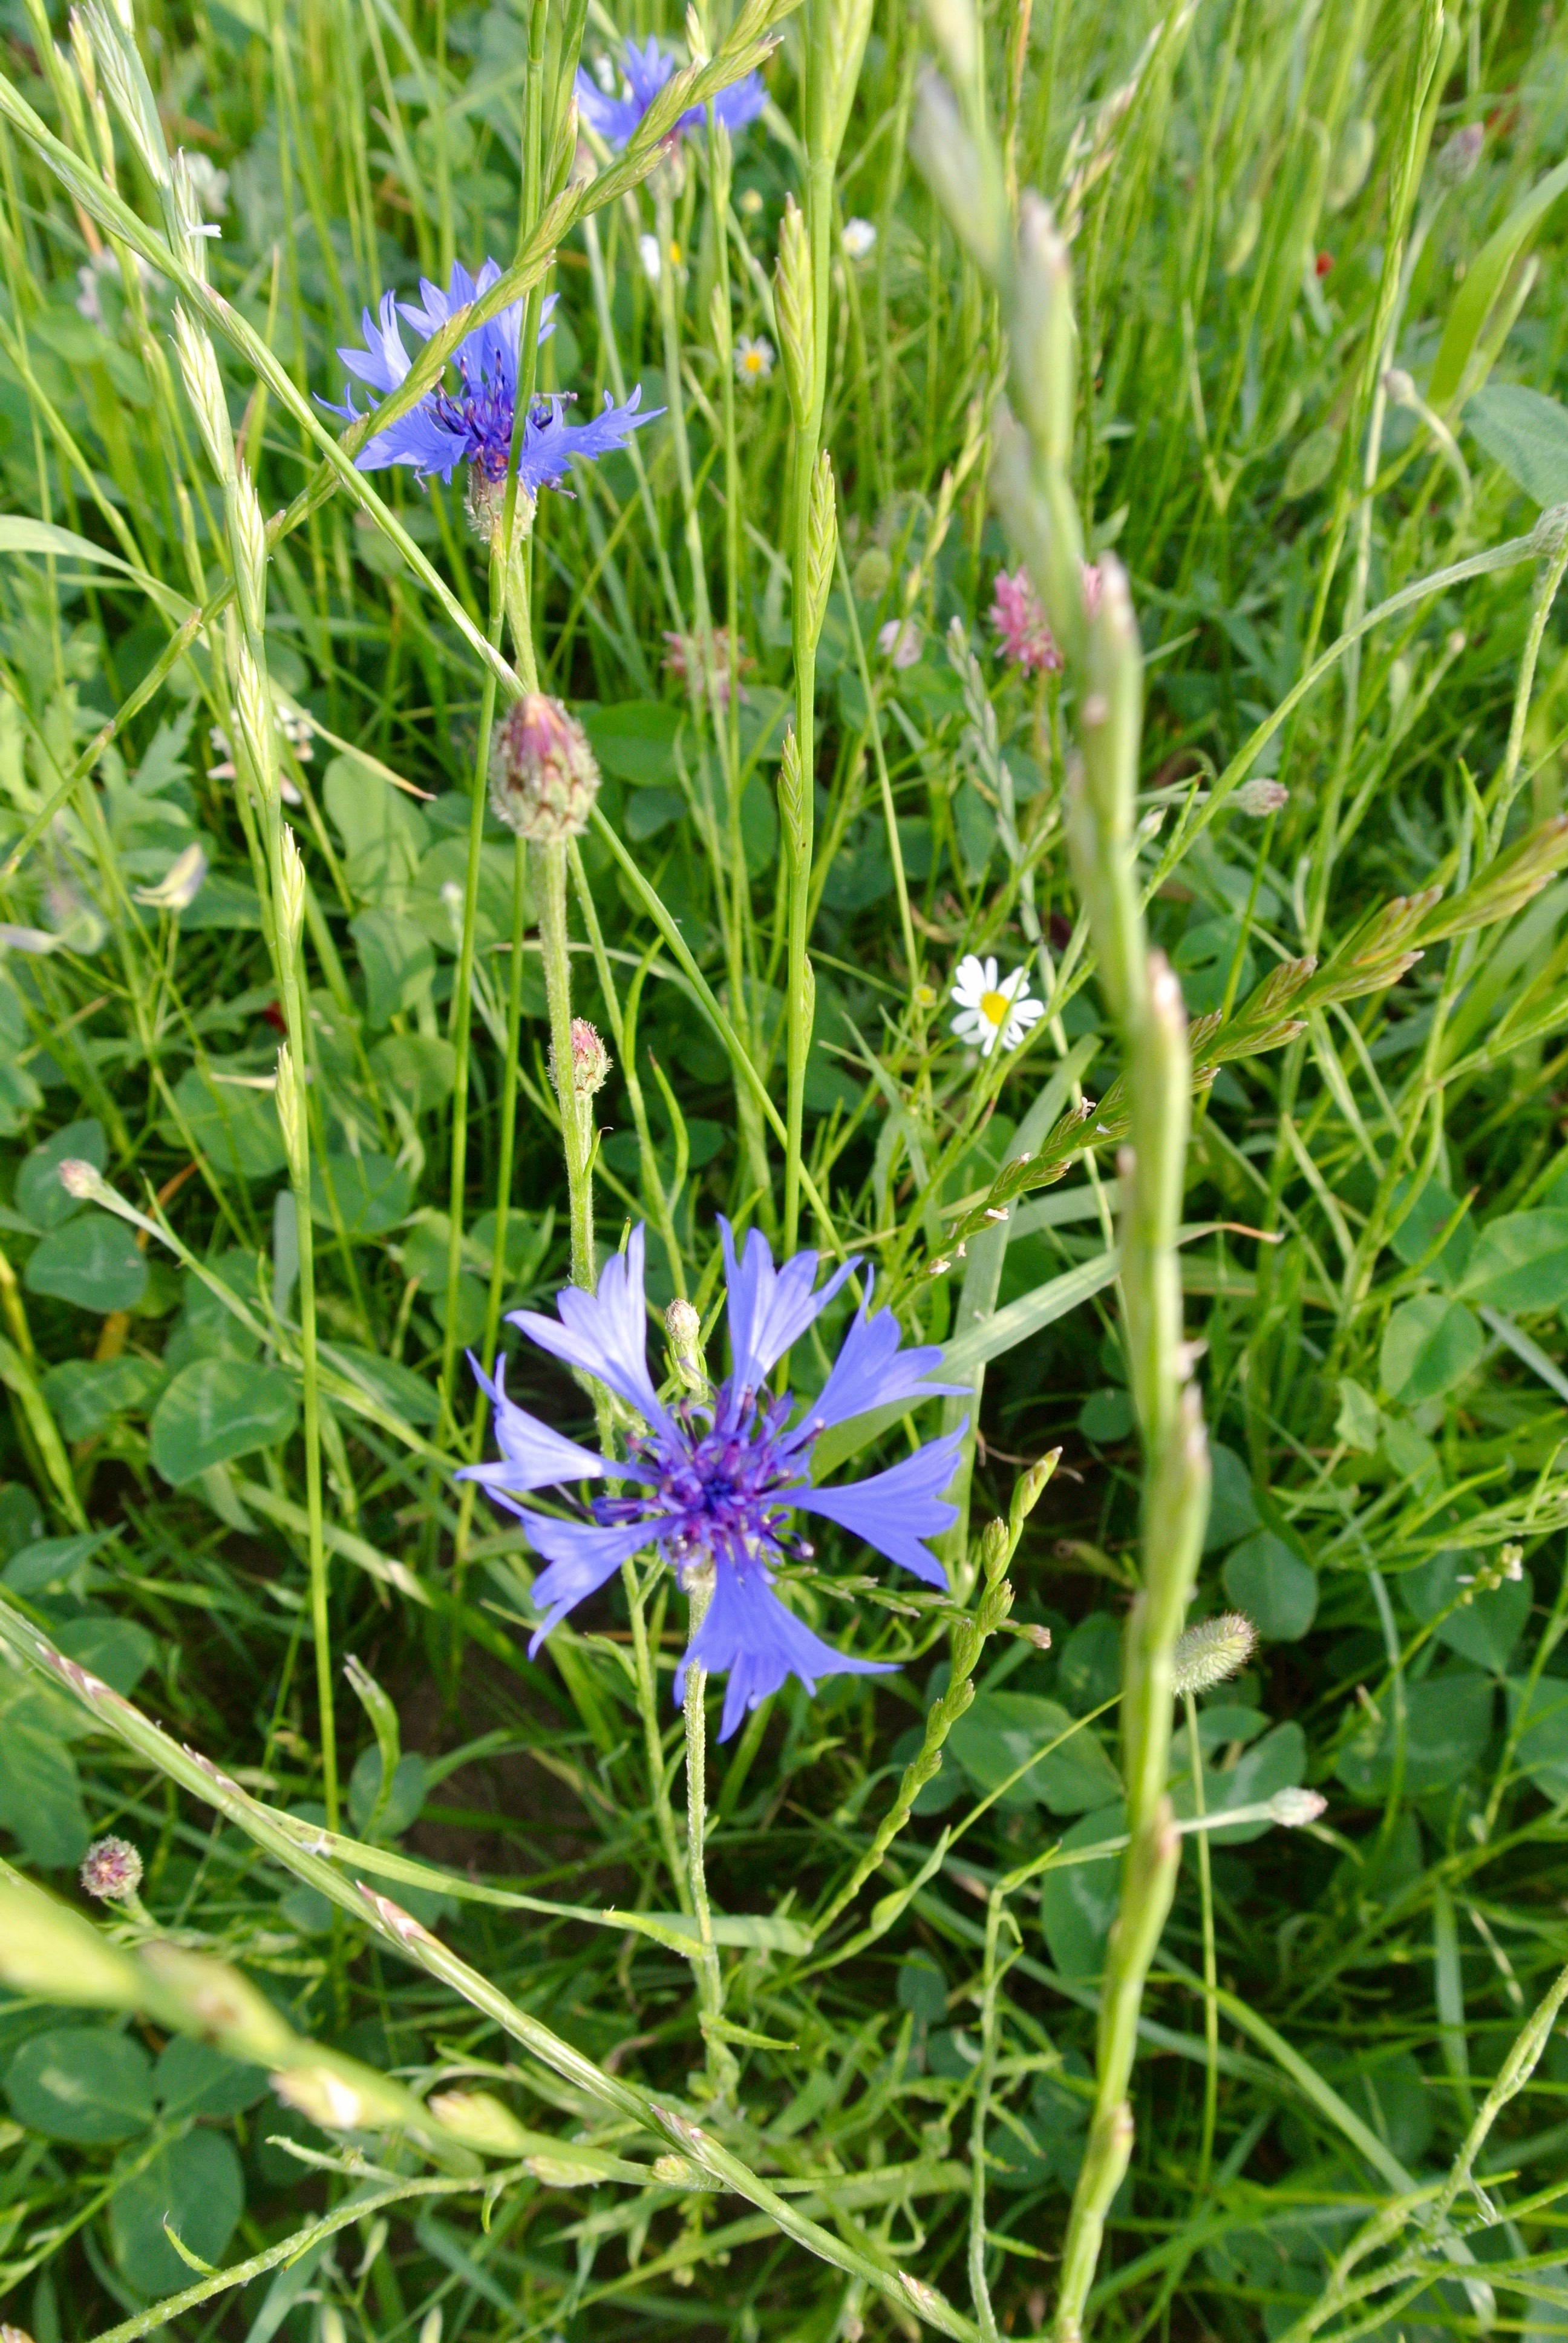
point(722, 2070)
point(653, 1739)
point(548, 865)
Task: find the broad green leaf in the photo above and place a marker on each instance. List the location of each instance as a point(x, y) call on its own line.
point(192, 2078)
point(1527, 434)
point(1358, 1423)
point(87, 1393)
point(39, 1197)
point(44, 1564)
point(40, 1797)
point(1520, 1263)
point(1233, 1508)
point(372, 1192)
point(407, 1795)
point(217, 1409)
point(1269, 1581)
point(196, 2186)
point(1001, 1731)
point(1424, 1223)
point(1483, 281)
point(635, 740)
point(1106, 1416)
point(87, 2084)
point(1429, 1345)
point(383, 833)
point(1542, 1717)
point(446, 866)
point(1090, 1668)
point(1312, 461)
point(1078, 1901)
point(235, 1126)
point(117, 1651)
point(397, 961)
point(420, 1067)
point(94, 1262)
point(1448, 1720)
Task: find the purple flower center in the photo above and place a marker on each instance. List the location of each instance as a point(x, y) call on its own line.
point(724, 1474)
point(483, 416)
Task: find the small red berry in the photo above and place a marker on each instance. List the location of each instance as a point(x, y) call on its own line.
point(1324, 263)
point(275, 1018)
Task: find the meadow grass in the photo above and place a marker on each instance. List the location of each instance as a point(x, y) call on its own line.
point(1169, 1941)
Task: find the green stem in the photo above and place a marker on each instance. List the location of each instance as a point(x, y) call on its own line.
point(549, 864)
point(723, 2072)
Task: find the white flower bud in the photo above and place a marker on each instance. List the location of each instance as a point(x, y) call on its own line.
point(83, 1180)
point(1294, 1807)
point(1262, 796)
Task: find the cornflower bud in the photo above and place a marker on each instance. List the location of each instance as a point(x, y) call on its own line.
point(683, 1327)
point(591, 1060)
point(795, 307)
point(543, 776)
point(111, 1870)
point(1212, 1651)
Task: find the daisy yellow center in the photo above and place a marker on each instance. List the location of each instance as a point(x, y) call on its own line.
point(993, 1007)
point(752, 361)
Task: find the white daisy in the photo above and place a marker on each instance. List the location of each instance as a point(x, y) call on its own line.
point(753, 358)
point(860, 238)
point(648, 253)
point(991, 1011)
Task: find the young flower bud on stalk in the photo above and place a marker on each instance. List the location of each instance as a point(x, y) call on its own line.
point(1213, 1652)
point(994, 1548)
point(794, 306)
point(543, 776)
point(590, 1061)
point(1261, 797)
point(822, 545)
point(1028, 1490)
point(1295, 1808)
point(111, 1871)
point(203, 388)
point(683, 1325)
point(82, 1179)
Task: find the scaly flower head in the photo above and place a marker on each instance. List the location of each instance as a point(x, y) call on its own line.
point(473, 424)
point(646, 70)
point(714, 1481)
point(993, 1009)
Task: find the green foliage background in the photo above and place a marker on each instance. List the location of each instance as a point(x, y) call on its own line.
point(1376, 1260)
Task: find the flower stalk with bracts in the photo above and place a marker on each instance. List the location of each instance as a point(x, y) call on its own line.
point(645, 71)
point(472, 425)
point(716, 1480)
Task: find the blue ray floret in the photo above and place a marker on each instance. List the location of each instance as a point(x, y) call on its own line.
point(716, 1484)
point(473, 424)
point(646, 70)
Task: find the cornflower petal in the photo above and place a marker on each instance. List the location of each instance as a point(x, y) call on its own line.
point(551, 442)
point(769, 1309)
point(893, 1510)
point(605, 1333)
point(581, 1556)
point(533, 1455)
point(750, 1632)
point(647, 69)
point(872, 1371)
point(383, 362)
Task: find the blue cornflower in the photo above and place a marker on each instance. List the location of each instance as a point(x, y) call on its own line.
point(473, 425)
point(647, 70)
point(717, 1482)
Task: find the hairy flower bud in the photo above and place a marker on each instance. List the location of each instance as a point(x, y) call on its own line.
point(591, 1060)
point(543, 776)
point(1212, 1651)
point(1261, 797)
point(683, 1325)
point(111, 1870)
point(80, 1178)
